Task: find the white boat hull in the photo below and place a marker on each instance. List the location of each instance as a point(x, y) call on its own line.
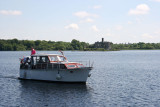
point(62, 75)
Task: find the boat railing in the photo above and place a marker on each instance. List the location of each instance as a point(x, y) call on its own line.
point(58, 65)
point(85, 63)
point(48, 66)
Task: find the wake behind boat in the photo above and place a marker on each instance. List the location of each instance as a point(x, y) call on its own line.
point(53, 67)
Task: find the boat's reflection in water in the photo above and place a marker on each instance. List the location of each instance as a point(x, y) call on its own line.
point(46, 85)
point(39, 93)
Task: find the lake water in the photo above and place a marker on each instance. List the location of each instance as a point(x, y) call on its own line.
point(119, 78)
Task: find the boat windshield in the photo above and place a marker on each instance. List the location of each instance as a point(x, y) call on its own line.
point(53, 58)
point(62, 58)
point(57, 58)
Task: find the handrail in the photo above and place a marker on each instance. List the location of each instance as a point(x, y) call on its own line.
point(58, 65)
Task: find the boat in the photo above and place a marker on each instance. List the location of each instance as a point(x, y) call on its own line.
point(53, 67)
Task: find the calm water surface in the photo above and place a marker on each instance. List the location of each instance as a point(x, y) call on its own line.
point(119, 78)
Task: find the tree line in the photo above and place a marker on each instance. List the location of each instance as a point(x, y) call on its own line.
point(140, 45)
point(22, 45)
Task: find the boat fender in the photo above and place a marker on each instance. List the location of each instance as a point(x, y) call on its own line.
point(89, 75)
point(58, 77)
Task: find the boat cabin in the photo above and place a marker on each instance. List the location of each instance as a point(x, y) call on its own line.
point(48, 61)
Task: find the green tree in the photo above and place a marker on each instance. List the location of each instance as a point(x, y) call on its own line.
point(76, 45)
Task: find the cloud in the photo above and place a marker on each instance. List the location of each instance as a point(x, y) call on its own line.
point(109, 34)
point(94, 27)
point(140, 10)
point(119, 27)
point(146, 35)
point(10, 12)
point(129, 22)
point(88, 20)
point(156, 0)
point(157, 33)
point(97, 7)
point(138, 20)
point(83, 14)
point(72, 26)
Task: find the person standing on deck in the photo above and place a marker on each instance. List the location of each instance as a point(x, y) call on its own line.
point(33, 51)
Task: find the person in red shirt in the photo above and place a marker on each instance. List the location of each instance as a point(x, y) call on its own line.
point(33, 51)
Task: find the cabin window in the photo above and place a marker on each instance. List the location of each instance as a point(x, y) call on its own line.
point(53, 58)
point(38, 58)
point(43, 59)
point(61, 58)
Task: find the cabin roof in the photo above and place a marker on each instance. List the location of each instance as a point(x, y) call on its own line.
point(46, 55)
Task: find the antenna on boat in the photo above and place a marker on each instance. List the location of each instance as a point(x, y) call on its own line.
point(61, 52)
point(63, 56)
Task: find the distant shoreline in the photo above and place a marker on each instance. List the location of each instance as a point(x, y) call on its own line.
point(74, 45)
point(85, 50)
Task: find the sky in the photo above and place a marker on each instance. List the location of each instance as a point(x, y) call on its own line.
point(117, 21)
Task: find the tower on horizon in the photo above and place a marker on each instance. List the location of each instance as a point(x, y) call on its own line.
point(103, 44)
